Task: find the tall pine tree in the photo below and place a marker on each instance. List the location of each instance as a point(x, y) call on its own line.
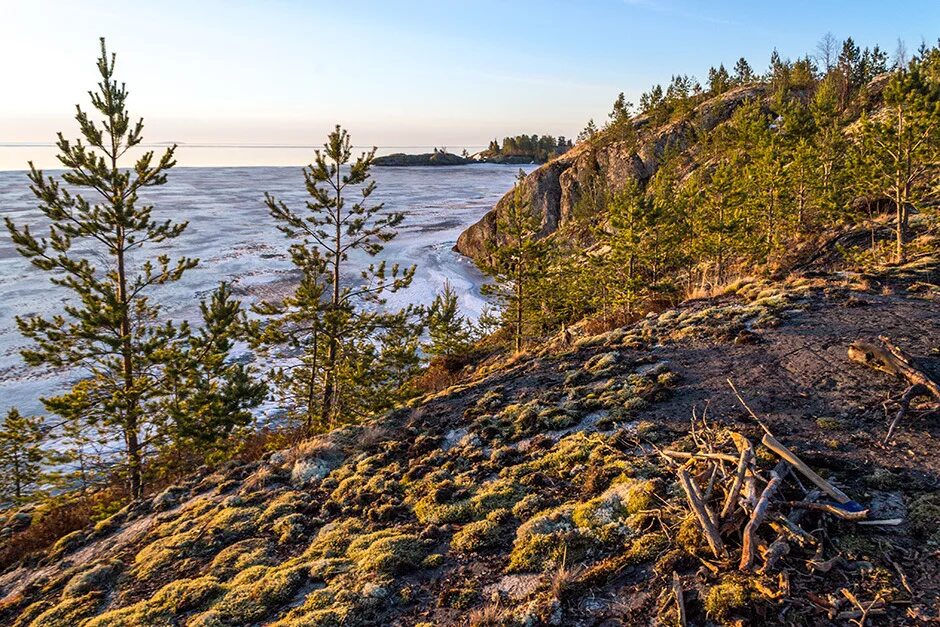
point(338, 222)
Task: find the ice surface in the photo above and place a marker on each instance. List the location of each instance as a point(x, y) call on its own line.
point(235, 239)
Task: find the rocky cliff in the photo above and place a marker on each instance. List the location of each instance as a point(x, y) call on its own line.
point(555, 188)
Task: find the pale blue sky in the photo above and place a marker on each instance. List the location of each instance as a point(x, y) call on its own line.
point(443, 72)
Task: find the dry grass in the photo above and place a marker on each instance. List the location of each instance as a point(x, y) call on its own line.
point(491, 615)
point(55, 520)
point(564, 581)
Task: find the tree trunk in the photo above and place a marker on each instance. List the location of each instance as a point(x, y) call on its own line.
point(329, 385)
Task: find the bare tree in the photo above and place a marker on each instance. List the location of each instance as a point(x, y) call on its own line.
point(900, 54)
point(826, 50)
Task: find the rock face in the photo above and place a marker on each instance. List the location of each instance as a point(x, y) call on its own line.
point(400, 159)
point(555, 189)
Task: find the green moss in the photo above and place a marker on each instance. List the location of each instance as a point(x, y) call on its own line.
point(290, 528)
point(606, 516)
point(71, 611)
point(829, 424)
point(723, 599)
point(924, 514)
point(165, 607)
point(475, 537)
point(239, 556)
point(333, 539)
point(689, 536)
point(251, 598)
point(502, 493)
point(67, 543)
point(282, 505)
point(429, 511)
point(387, 552)
point(95, 579)
point(329, 567)
point(602, 363)
point(544, 540)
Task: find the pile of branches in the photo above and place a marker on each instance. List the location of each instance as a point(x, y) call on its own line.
point(752, 519)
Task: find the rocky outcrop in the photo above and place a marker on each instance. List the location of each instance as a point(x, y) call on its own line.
point(556, 188)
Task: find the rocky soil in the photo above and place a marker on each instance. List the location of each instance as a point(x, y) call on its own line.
point(539, 493)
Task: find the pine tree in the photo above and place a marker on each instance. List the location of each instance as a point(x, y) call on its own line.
point(330, 231)
point(209, 397)
point(718, 80)
point(112, 330)
point(298, 323)
point(904, 142)
point(743, 74)
point(589, 131)
point(632, 221)
point(449, 331)
point(517, 264)
point(21, 455)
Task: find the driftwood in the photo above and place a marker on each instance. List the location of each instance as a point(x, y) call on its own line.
point(771, 442)
point(704, 515)
point(748, 548)
point(893, 361)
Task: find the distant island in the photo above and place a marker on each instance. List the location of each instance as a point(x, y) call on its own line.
point(438, 157)
point(520, 149)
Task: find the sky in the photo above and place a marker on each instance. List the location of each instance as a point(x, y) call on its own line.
point(395, 73)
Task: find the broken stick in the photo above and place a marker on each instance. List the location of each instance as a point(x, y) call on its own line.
point(771, 442)
point(746, 459)
point(680, 597)
point(705, 517)
point(757, 518)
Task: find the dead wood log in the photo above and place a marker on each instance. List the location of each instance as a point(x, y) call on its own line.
point(909, 369)
point(894, 361)
point(771, 442)
point(705, 517)
point(757, 518)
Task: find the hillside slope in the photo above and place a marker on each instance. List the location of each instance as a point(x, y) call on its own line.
point(555, 190)
point(535, 494)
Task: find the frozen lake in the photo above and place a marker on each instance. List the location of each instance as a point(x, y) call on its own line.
point(235, 239)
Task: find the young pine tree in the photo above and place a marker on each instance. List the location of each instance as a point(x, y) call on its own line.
point(209, 397)
point(298, 323)
point(332, 229)
point(449, 331)
point(21, 455)
point(110, 329)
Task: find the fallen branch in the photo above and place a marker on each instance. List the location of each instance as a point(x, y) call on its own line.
point(757, 518)
point(705, 517)
point(894, 361)
point(909, 394)
point(699, 455)
point(771, 442)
